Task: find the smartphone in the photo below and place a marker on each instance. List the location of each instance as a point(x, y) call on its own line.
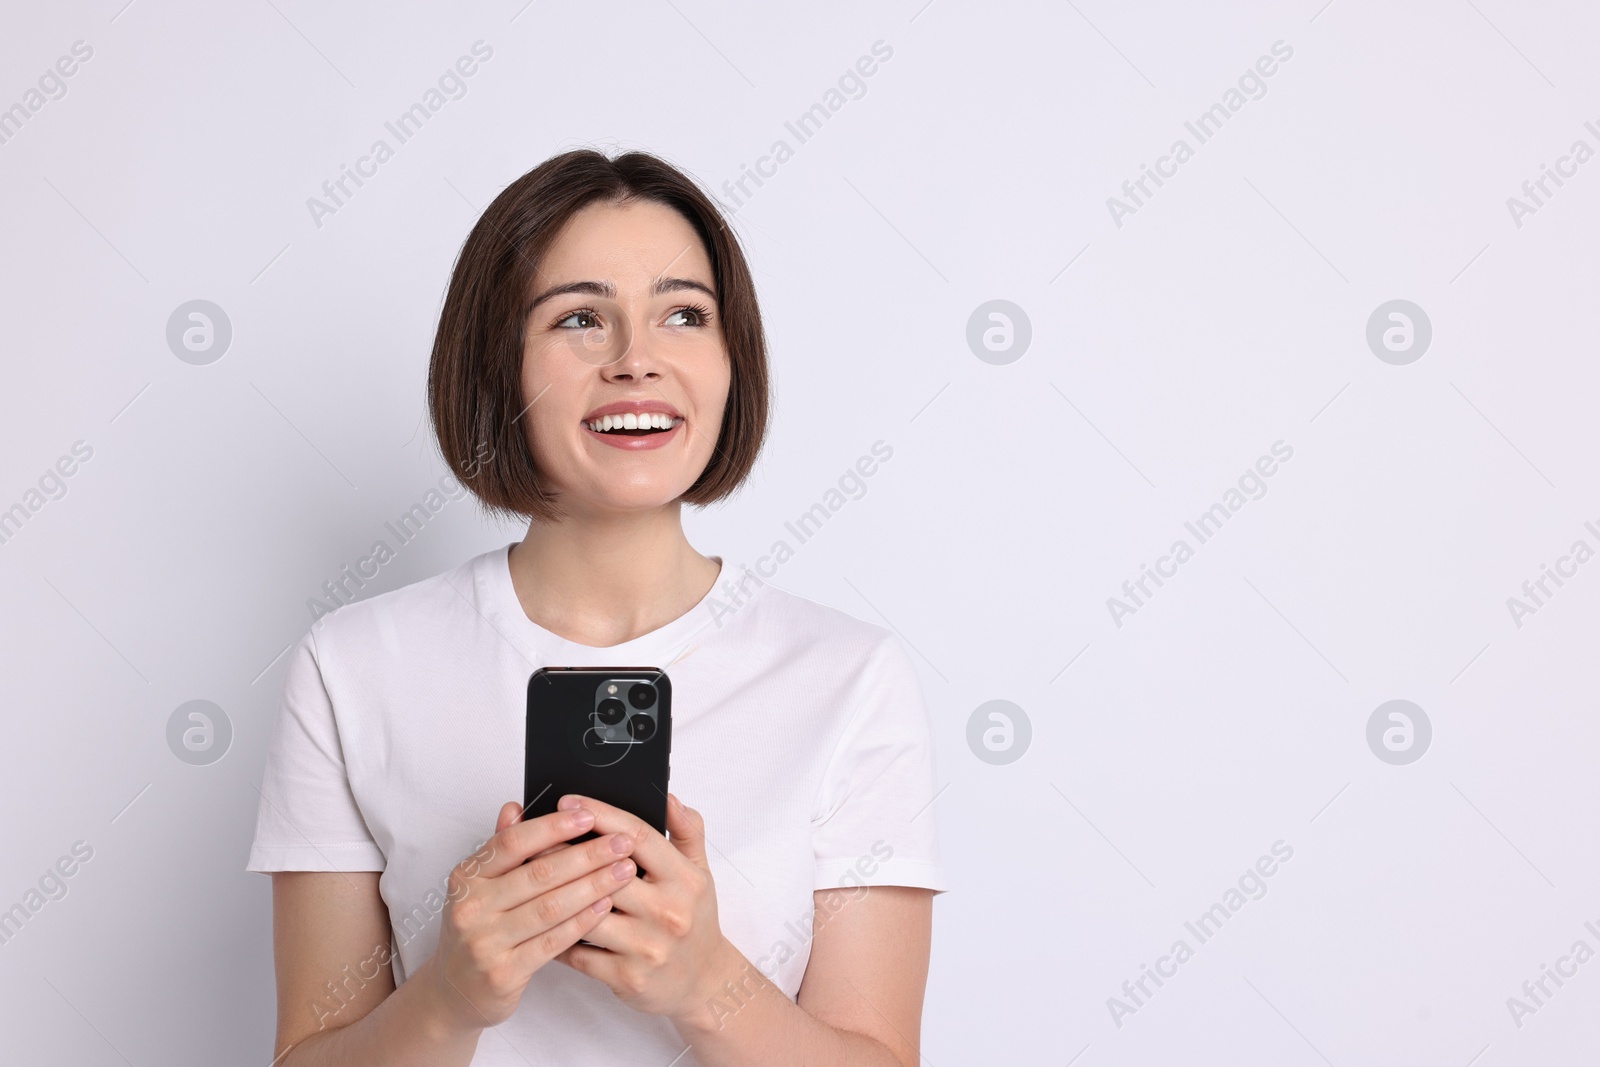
point(603, 732)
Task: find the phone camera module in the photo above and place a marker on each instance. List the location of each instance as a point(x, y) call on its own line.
point(642, 696)
point(641, 727)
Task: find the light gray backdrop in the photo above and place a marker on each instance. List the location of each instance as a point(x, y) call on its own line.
point(1157, 343)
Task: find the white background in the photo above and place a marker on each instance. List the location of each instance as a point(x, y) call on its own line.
point(1227, 314)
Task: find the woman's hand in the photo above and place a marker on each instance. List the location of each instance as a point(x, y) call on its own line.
point(506, 918)
point(661, 950)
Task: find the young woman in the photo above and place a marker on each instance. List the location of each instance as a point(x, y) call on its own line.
point(599, 363)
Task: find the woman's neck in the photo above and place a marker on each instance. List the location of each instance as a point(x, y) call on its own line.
point(603, 581)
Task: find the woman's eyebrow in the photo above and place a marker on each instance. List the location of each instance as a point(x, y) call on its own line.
point(672, 285)
point(609, 291)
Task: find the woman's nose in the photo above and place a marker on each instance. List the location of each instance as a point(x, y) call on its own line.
point(633, 356)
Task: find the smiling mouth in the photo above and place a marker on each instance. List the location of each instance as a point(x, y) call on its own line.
point(631, 425)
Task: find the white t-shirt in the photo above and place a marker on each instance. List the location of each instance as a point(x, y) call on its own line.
point(799, 733)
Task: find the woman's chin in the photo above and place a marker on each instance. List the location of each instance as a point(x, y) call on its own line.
point(633, 498)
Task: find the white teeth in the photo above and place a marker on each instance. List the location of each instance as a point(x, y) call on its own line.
point(631, 421)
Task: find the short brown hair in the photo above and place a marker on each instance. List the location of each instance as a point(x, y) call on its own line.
point(475, 373)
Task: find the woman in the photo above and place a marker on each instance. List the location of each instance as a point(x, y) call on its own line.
point(599, 362)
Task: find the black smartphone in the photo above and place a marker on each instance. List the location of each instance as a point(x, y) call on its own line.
point(603, 732)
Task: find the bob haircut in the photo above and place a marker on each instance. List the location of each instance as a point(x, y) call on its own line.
point(475, 373)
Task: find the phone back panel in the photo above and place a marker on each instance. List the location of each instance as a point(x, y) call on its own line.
point(577, 744)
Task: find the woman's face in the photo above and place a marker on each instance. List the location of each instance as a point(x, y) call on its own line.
point(625, 324)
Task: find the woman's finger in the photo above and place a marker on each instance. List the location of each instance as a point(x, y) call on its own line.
point(688, 830)
point(540, 875)
point(598, 963)
point(617, 931)
point(560, 903)
point(544, 873)
point(654, 852)
point(540, 949)
point(513, 844)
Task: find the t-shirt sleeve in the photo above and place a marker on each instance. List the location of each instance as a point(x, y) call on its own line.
point(874, 822)
point(307, 819)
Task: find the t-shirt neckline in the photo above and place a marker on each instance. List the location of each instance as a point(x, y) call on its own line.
point(659, 647)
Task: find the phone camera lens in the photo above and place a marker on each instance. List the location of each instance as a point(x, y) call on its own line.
point(641, 727)
point(611, 711)
point(642, 696)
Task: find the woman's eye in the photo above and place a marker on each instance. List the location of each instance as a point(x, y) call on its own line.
point(677, 318)
point(586, 321)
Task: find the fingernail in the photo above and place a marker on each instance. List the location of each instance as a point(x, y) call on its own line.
point(622, 870)
point(568, 802)
point(621, 843)
point(601, 905)
point(583, 817)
